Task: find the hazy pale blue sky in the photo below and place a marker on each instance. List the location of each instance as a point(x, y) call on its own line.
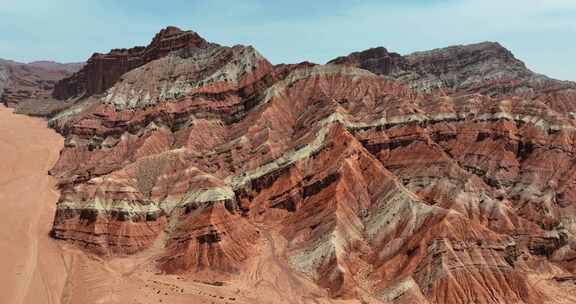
point(540, 32)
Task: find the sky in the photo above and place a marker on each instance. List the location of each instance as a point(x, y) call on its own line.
point(542, 33)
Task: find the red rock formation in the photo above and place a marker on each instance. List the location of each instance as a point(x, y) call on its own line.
point(358, 183)
point(103, 70)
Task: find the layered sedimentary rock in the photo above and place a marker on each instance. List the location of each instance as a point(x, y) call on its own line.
point(381, 188)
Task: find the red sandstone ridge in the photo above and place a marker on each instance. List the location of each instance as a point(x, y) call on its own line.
point(438, 177)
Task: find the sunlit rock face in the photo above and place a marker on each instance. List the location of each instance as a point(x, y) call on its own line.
point(376, 178)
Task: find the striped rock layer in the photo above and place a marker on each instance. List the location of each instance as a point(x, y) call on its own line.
point(395, 188)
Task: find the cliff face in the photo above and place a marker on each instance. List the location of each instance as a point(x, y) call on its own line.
point(382, 188)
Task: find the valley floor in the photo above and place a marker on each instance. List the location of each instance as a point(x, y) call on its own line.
point(32, 267)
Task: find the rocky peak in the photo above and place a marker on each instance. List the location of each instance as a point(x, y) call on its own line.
point(479, 58)
point(172, 38)
point(214, 69)
point(469, 67)
point(378, 60)
point(486, 66)
point(482, 50)
point(169, 32)
point(103, 70)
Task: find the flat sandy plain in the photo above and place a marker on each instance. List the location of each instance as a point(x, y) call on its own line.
point(32, 268)
point(35, 269)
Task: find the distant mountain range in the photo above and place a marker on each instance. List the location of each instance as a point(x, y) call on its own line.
point(31, 82)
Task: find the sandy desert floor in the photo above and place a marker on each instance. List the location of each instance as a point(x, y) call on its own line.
point(36, 269)
point(32, 268)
